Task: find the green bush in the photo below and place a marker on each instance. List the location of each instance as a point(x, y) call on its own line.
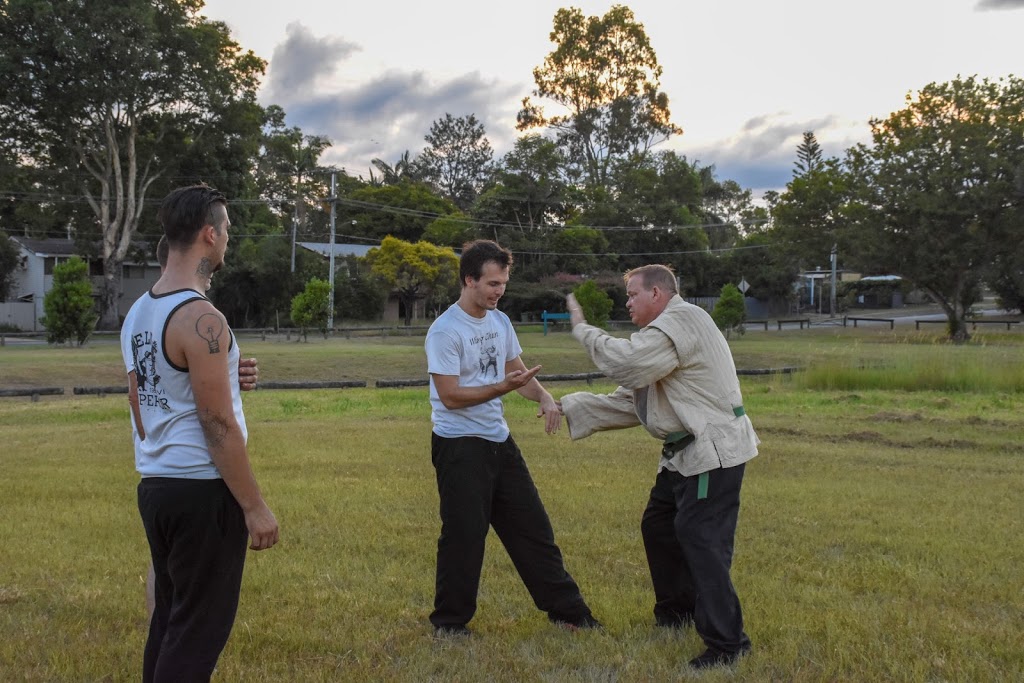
point(70, 312)
point(358, 297)
point(9, 257)
point(596, 304)
point(729, 312)
point(310, 306)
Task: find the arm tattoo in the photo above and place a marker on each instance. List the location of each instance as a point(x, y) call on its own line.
point(204, 269)
point(210, 327)
point(215, 428)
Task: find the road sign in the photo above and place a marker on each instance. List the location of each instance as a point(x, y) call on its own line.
point(743, 285)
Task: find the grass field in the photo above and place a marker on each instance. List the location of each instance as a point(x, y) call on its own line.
point(879, 538)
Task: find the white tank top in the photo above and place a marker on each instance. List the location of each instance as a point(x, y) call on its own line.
point(175, 445)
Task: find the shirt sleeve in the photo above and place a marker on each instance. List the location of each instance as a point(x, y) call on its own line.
point(514, 350)
point(443, 354)
point(587, 413)
point(646, 357)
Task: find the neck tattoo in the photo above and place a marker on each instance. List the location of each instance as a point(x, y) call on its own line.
point(204, 269)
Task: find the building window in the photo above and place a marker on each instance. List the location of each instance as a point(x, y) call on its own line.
point(134, 272)
point(50, 262)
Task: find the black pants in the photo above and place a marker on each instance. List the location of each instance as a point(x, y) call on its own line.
point(689, 544)
point(482, 484)
point(197, 539)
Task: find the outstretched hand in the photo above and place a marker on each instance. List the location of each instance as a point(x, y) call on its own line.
point(517, 379)
point(551, 411)
point(575, 312)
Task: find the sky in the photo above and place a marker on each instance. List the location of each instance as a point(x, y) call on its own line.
point(745, 78)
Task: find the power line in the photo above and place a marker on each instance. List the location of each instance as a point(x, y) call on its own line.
point(645, 253)
point(44, 198)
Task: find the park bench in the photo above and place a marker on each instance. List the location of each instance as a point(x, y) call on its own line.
point(757, 322)
point(975, 323)
point(19, 335)
point(891, 321)
point(545, 317)
point(802, 321)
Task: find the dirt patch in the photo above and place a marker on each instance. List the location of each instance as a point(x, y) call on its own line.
point(976, 421)
point(781, 431)
point(890, 416)
point(932, 442)
point(863, 437)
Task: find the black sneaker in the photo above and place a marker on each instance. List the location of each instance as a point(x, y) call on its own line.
point(711, 658)
point(451, 631)
point(583, 623)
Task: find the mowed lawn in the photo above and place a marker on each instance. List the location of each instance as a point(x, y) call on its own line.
point(879, 537)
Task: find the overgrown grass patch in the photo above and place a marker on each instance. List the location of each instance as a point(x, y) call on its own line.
point(922, 368)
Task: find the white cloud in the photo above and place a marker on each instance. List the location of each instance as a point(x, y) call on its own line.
point(385, 115)
point(302, 60)
point(761, 155)
point(984, 5)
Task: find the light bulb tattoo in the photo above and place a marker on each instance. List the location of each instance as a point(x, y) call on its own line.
point(210, 327)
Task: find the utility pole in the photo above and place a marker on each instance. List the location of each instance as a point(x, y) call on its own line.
point(832, 294)
point(295, 226)
point(334, 211)
point(295, 215)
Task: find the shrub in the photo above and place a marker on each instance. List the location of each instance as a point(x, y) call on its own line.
point(596, 304)
point(70, 312)
point(310, 306)
point(729, 312)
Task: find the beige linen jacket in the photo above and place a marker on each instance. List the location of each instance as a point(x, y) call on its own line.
point(681, 366)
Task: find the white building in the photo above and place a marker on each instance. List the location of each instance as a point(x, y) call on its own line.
point(34, 278)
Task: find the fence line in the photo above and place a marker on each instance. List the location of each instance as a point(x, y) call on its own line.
point(35, 392)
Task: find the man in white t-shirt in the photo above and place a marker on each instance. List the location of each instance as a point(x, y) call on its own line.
point(473, 357)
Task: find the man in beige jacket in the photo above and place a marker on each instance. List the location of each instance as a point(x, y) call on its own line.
point(678, 380)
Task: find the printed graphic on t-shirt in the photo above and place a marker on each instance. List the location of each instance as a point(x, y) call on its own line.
point(144, 352)
point(488, 352)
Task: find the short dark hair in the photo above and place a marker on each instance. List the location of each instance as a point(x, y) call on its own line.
point(186, 210)
point(475, 254)
point(654, 275)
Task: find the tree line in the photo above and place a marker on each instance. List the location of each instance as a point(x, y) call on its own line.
point(106, 107)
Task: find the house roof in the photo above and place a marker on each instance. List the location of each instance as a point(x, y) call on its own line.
point(66, 248)
point(324, 248)
point(47, 247)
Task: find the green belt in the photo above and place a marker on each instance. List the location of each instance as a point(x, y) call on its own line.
point(702, 485)
point(677, 441)
point(676, 437)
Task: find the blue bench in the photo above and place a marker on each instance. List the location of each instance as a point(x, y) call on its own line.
point(545, 317)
